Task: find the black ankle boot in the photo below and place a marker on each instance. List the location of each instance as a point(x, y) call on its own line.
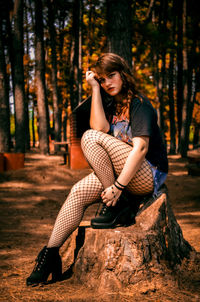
point(47, 262)
point(110, 217)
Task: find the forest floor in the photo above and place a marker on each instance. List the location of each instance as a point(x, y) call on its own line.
point(30, 199)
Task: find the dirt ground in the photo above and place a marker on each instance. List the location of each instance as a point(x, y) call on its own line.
point(30, 199)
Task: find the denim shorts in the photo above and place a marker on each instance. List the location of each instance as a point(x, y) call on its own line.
point(159, 178)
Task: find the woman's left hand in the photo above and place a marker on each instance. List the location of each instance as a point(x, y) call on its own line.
point(110, 195)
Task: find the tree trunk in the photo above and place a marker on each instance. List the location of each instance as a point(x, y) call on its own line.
point(190, 77)
point(184, 139)
point(19, 94)
point(75, 60)
point(90, 33)
point(157, 80)
point(4, 98)
point(171, 89)
point(40, 80)
point(162, 78)
point(62, 69)
point(80, 53)
point(110, 260)
point(179, 10)
point(27, 79)
point(56, 94)
point(161, 90)
point(33, 123)
point(196, 139)
point(10, 43)
point(119, 28)
point(171, 105)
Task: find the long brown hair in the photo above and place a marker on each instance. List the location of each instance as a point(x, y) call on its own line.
point(110, 62)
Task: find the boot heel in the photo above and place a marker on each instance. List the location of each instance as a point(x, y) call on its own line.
point(56, 276)
point(57, 272)
point(127, 218)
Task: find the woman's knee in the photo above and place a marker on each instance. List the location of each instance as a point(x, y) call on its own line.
point(88, 137)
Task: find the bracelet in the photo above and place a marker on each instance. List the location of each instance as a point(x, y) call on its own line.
point(121, 189)
point(120, 184)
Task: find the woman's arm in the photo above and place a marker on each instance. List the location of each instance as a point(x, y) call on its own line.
point(98, 119)
point(134, 159)
point(132, 164)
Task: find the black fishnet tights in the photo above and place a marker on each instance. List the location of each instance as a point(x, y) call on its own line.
point(83, 193)
point(107, 156)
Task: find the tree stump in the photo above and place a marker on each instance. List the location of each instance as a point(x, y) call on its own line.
point(112, 259)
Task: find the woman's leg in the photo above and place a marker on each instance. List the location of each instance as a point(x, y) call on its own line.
point(107, 156)
point(83, 193)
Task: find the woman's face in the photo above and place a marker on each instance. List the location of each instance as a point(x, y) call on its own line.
point(111, 83)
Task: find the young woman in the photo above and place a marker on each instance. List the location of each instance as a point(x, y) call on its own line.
point(125, 150)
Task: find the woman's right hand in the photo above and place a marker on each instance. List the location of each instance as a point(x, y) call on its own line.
point(91, 80)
